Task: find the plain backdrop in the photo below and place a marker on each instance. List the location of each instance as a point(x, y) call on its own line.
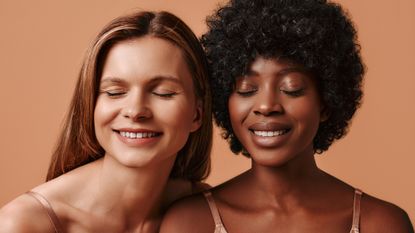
point(42, 44)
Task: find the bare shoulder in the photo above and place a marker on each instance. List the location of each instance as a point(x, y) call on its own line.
point(191, 214)
point(380, 216)
point(199, 187)
point(24, 214)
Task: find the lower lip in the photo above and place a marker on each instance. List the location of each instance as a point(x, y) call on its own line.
point(138, 141)
point(268, 142)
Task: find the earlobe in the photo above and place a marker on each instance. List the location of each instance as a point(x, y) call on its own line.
point(197, 119)
point(324, 114)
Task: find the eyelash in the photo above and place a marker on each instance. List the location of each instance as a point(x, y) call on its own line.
point(295, 93)
point(114, 93)
point(167, 95)
point(246, 93)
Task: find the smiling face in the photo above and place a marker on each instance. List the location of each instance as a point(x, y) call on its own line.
point(146, 106)
point(275, 111)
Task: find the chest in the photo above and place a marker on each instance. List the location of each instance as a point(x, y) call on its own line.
point(81, 222)
point(267, 221)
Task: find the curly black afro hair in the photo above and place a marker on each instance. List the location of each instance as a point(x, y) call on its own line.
point(314, 33)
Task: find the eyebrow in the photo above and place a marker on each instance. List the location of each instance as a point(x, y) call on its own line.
point(294, 69)
point(160, 78)
point(157, 78)
point(283, 72)
point(111, 79)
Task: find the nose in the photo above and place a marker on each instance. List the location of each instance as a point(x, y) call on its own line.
point(268, 104)
point(136, 108)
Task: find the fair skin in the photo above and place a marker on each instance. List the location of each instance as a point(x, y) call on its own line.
point(275, 111)
point(145, 95)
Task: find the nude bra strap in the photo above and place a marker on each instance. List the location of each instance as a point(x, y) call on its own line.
point(213, 209)
point(47, 206)
point(356, 211)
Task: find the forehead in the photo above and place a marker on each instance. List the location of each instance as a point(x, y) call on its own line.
point(272, 66)
point(279, 69)
point(146, 58)
point(146, 52)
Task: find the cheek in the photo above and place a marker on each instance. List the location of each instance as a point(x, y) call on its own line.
point(307, 114)
point(238, 109)
point(178, 114)
point(104, 112)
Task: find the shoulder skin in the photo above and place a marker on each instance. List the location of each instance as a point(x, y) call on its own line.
point(379, 216)
point(188, 215)
point(23, 215)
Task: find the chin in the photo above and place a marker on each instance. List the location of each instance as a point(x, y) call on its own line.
point(131, 159)
point(137, 160)
point(276, 158)
point(271, 159)
point(134, 161)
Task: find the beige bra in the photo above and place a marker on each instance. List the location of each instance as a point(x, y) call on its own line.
point(220, 228)
point(46, 205)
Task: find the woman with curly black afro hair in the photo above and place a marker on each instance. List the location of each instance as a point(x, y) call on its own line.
point(286, 77)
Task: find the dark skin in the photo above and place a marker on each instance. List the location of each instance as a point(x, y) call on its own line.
point(275, 111)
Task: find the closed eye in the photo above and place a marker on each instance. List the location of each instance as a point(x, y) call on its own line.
point(114, 93)
point(165, 95)
point(295, 93)
point(246, 93)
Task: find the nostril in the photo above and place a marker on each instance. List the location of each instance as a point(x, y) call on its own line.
point(269, 111)
point(129, 113)
point(257, 113)
point(137, 113)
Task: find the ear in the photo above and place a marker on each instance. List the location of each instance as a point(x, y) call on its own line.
point(324, 114)
point(197, 118)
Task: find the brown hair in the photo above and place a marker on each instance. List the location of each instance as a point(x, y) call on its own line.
point(78, 145)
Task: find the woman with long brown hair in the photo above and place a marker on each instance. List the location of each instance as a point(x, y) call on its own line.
point(137, 135)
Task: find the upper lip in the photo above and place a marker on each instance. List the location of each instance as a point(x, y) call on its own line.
point(269, 126)
point(136, 130)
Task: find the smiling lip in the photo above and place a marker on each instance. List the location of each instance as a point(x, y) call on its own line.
point(269, 134)
point(137, 137)
point(272, 133)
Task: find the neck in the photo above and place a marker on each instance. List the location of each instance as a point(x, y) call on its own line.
point(286, 184)
point(131, 194)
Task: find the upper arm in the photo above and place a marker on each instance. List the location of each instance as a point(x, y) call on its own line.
point(187, 216)
point(24, 215)
point(385, 217)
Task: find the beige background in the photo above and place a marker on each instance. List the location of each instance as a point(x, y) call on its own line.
point(42, 43)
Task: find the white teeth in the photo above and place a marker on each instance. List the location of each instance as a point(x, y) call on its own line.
point(137, 135)
point(270, 133)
